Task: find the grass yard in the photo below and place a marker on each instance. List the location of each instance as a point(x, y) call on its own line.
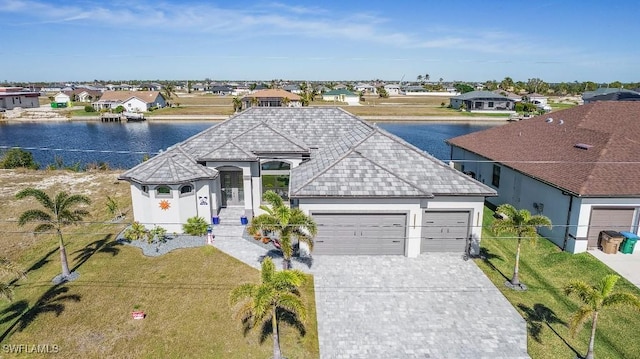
point(184, 293)
point(546, 309)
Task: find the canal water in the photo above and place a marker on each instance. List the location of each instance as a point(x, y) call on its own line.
point(123, 145)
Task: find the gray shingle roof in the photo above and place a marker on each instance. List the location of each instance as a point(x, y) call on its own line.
point(171, 167)
point(480, 94)
point(349, 157)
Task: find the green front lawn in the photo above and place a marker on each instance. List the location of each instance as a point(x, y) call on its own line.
point(546, 309)
point(184, 294)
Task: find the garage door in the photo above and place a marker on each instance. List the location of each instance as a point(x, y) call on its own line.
point(444, 231)
point(360, 233)
point(616, 219)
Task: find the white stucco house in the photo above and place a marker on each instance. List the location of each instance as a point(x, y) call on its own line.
point(369, 191)
point(579, 167)
point(342, 95)
point(62, 97)
point(393, 89)
point(132, 101)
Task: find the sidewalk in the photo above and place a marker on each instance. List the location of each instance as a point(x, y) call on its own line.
point(627, 265)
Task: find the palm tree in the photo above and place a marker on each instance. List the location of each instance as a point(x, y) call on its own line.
point(595, 298)
point(522, 224)
point(419, 78)
point(59, 212)
point(287, 223)
point(255, 101)
point(237, 104)
point(7, 267)
point(285, 102)
point(257, 305)
point(426, 77)
point(168, 91)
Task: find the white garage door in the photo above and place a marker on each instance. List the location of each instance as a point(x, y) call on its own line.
point(444, 231)
point(614, 219)
point(360, 233)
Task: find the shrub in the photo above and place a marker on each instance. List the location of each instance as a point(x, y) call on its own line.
point(89, 108)
point(195, 226)
point(157, 234)
point(18, 158)
point(136, 232)
point(119, 109)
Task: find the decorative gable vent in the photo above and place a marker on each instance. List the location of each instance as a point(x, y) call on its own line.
point(582, 146)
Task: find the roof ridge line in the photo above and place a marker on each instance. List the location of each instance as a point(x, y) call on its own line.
point(393, 174)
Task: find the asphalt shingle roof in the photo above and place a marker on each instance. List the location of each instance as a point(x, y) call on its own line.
point(546, 149)
point(349, 157)
point(480, 94)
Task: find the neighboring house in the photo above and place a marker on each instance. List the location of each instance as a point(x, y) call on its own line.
point(221, 90)
point(84, 95)
point(12, 97)
point(62, 97)
point(271, 98)
point(393, 89)
point(200, 87)
point(293, 88)
point(341, 96)
point(366, 89)
point(485, 101)
point(616, 96)
point(579, 167)
point(514, 96)
point(134, 101)
point(589, 95)
point(541, 101)
point(370, 192)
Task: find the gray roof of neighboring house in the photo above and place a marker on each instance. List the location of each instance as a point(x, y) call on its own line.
point(480, 95)
point(349, 157)
point(604, 91)
point(340, 92)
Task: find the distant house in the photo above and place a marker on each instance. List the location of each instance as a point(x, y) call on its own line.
point(12, 97)
point(221, 90)
point(199, 87)
point(616, 96)
point(482, 101)
point(589, 95)
point(366, 89)
point(62, 97)
point(271, 98)
point(134, 101)
point(341, 96)
point(293, 88)
point(579, 167)
point(393, 89)
point(541, 101)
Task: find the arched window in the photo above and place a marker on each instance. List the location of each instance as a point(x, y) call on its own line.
point(186, 189)
point(276, 166)
point(163, 191)
point(145, 190)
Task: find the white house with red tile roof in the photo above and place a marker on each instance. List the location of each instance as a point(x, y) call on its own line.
point(579, 167)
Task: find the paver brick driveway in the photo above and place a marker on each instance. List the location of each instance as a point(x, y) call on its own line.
point(433, 306)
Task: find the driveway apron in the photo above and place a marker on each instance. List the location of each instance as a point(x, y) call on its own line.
point(433, 306)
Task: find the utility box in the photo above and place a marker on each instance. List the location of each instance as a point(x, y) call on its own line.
point(610, 241)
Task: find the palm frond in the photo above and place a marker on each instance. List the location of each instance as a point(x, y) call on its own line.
point(582, 290)
point(39, 195)
point(268, 270)
point(241, 292)
point(621, 299)
point(294, 304)
point(8, 267)
point(577, 320)
point(44, 227)
point(289, 279)
point(607, 284)
point(6, 291)
point(33, 215)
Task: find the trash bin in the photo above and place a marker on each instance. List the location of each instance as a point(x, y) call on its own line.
point(244, 220)
point(610, 241)
point(215, 220)
point(629, 242)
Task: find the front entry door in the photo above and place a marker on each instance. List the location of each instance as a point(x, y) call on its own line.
point(232, 188)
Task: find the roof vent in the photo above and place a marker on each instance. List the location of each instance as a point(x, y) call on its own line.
point(582, 146)
point(560, 122)
point(549, 120)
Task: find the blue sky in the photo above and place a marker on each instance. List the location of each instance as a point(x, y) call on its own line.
point(83, 40)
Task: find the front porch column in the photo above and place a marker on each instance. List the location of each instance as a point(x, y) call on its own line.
point(248, 195)
point(257, 194)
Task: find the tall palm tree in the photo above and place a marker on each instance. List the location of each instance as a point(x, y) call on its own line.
point(7, 267)
point(285, 102)
point(419, 78)
point(596, 298)
point(522, 224)
point(59, 212)
point(255, 101)
point(287, 223)
point(258, 304)
point(168, 91)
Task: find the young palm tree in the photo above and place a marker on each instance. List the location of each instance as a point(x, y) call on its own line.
point(522, 224)
point(7, 267)
point(59, 212)
point(237, 104)
point(286, 222)
point(258, 304)
point(596, 298)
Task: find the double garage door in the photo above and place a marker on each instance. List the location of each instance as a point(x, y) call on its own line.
point(360, 233)
point(602, 219)
point(386, 233)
